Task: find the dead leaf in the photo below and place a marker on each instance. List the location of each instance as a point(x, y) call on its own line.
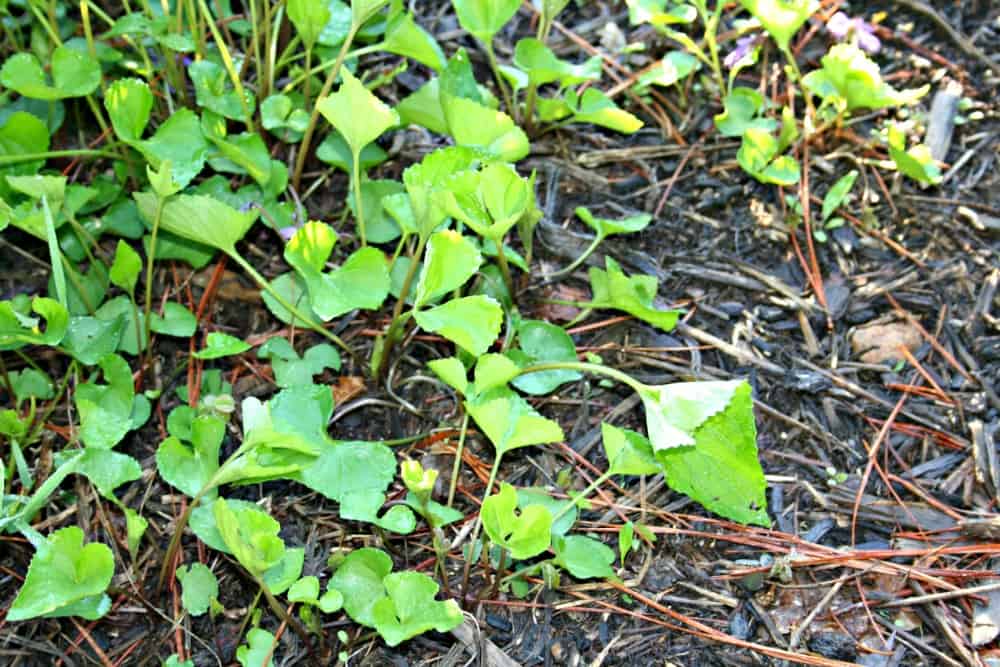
point(347, 387)
point(882, 342)
point(560, 312)
point(230, 287)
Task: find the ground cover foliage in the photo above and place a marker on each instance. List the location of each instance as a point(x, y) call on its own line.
point(547, 331)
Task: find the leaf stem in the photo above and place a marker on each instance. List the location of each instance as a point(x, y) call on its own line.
point(397, 311)
point(78, 152)
point(501, 84)
point(282, 613)
point(150, 258)
point(504, 266)
point(284, 303)
point(456, 467)
point(579, 260)
point(479, 523)
point(358, 203)
point(300, 159)
point(227, 60)
point(579, 497)
point(583, 367)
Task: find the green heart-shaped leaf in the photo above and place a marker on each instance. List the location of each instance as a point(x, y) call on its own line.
point(198, 218)
point(485, 18)
point(721, 470)
point(356, 113)
point(410, 608)
point(471, 322)
point(526, 534)
point(450, 260)
point(74, 74)
point(65, 578)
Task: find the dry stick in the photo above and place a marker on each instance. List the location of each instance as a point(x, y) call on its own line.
point(930, 339)
point(872, 455)
point(793, 641)
point(300, 159)
point(816, 274)
point(945, 595)
point(673, 178)
point(716, 635)
point(948, 631)
point(105, 660)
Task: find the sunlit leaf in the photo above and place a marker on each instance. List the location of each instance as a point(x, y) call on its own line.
point(525, 534)
point(65, 578)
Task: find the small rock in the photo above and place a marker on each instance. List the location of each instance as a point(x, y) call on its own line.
point(838, 296)
point(845, 238)
point(986, 620)
point(834, 645)
point(731, 308)
point(739, 624)
point(807, 381)
point(860, 316)
point(877, 343)
point(498, 623)
point(770, 313)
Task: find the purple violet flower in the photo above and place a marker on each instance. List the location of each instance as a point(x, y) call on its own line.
point(842, 26)
point(288, 232)
point(744, 47)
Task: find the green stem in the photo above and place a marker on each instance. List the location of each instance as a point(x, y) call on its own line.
point(578, 498)
point(584, 367)
point(504, 267)
point(216, 480)
point(283, 614)
point(457, 466)
point(55, 254)
point(294, 83)
point(307, 88)
point(797, 77)
point(579, 260)
point(77, 152)
point(526, 572)
point(501, 84)
point(78, 284)
point(148, 288)
point(397, 311)
point(175, 538)
point(479, 519)
point(358, 203)
point(529, 108)
point(255, 36)
point(711, 22)
point(300, 159)
point(296, 313)
point(272, 52)
point(227, 60)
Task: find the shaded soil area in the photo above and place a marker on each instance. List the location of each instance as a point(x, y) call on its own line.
point(873, 351)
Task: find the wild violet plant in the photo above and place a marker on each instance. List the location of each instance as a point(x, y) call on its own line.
point(453, 272)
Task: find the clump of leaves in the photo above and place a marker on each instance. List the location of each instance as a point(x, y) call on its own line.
point(603, 228)
point(398, 605)
point(850, 80)
point(916, 162)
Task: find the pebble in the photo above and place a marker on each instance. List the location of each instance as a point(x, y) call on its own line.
point(834, 645)
point(770, 313)
point(877, 343)
point(808, 381)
